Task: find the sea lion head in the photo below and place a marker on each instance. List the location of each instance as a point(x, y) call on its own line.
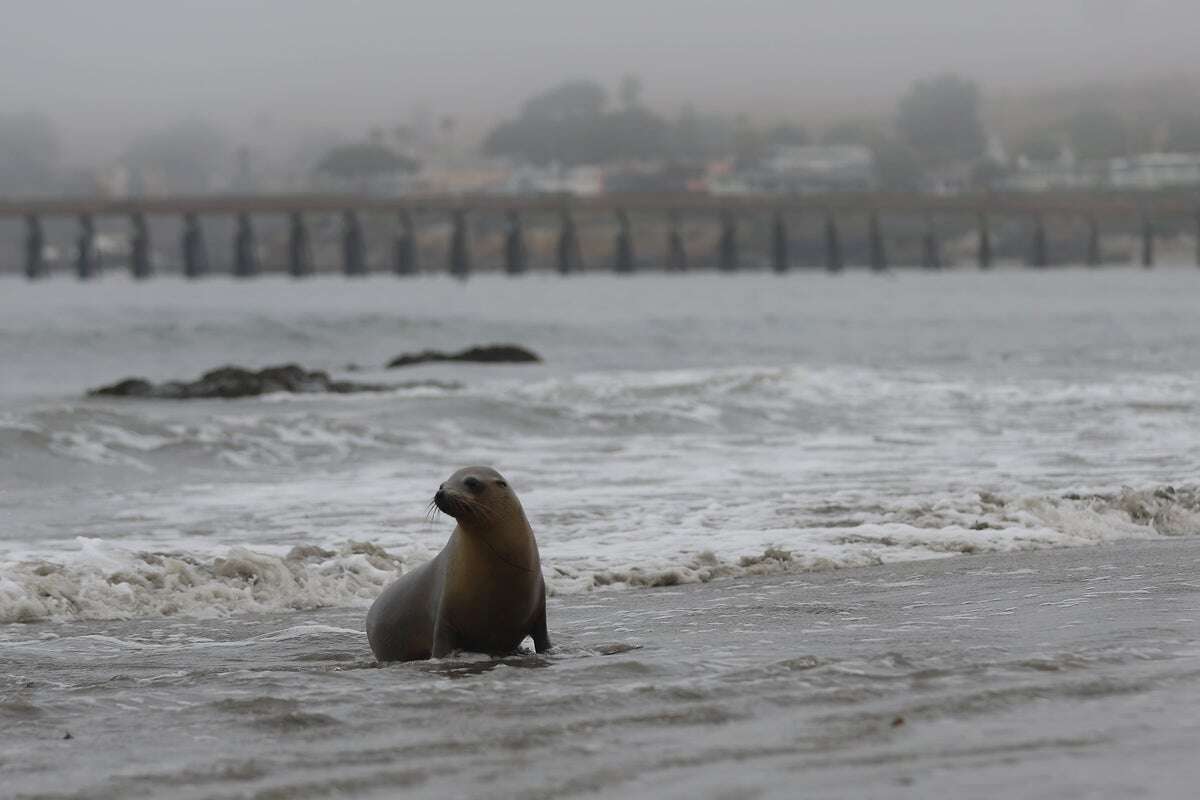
point(477, 495)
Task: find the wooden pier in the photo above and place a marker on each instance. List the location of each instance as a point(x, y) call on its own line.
point(843, 216)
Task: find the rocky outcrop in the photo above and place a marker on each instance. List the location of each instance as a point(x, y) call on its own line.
point(485, 354)
point(232, 382)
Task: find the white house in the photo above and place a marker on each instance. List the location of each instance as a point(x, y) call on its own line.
point(554, 179)
point(817, 168)
point(1155, 171)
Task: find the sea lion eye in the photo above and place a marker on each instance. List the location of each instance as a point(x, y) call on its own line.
point(502, 483)
point(474, 484)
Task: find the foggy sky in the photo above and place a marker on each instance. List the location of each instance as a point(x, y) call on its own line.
point(105, 69)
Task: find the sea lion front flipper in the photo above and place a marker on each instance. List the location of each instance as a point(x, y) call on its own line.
point(443, 640)
point(541, 636)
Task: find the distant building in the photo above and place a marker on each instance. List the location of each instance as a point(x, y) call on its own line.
point(1155, 171)
point(807, 169)
point(554, 179)
point(1145, 171)
point(366, 168)
point(721, 177)
point(1062, 173)
point(654, 177)
point(950, 178)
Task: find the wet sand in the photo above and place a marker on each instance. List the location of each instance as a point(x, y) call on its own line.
point(1062, 673)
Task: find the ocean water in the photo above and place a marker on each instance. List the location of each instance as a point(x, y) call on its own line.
point(682, 430)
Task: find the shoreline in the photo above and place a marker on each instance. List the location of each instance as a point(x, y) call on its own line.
point(1056, 673)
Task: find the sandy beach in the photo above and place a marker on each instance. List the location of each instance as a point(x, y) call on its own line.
point(1055, 674)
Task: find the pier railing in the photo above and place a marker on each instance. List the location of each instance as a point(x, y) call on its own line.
point(1142, 210)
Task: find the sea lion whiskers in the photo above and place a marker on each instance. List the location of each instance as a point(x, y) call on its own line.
point(461, 502)
point(478, 510)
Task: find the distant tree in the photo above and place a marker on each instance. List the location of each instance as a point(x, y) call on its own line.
point(558, 125)
point(634, 133)
point(853, 131)
point(897, 166)
point(630, 92)
point(404, 135)
point(687, 134)
point(569, 124)
point(695, 137)
point(1041, 144)
point(186, 156)
point(986, 173)
point(539, 141)
point(939, 119)
point(750, 145)
point(787, 134)
point(363, 161)
point(29, 152)
point(1183, 133)
point(1098, 134)
point(577, 99)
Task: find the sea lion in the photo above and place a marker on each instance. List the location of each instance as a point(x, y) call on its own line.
point(483, 592)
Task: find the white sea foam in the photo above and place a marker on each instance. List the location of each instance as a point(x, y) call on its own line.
point(103, 580)
point(108, 582)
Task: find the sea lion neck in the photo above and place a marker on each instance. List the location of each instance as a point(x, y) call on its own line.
point(515, 548)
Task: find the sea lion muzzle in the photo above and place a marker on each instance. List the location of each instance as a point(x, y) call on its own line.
point(446, 503)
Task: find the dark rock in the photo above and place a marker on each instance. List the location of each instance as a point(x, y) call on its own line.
point(232, 382)
point(486, 354)
point(130, 387)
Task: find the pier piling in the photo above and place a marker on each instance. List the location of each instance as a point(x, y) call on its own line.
point(1038, 256)
point(623, 246)
point(300, 263)
point(677, 260)
point(516, 260)
point(569, 256)
point(833, 245)
point(139, 248)
point(1093, 256)
point(1147, 242)
point(87, 260)
point(985, 242)
point(195, 252)
point(404, 253)
point(780, 260)
point(931, 250)
point(354, 251)
point(875, 245)
point(245, 255)
point(35, 248)
point(727, 245)
point(459, 257)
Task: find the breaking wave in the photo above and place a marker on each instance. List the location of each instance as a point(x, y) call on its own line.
point(282, 430)
point(103, 580)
